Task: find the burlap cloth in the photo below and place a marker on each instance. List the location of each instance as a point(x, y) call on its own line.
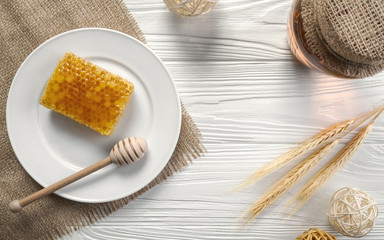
point(348, 36)
point(24, 25)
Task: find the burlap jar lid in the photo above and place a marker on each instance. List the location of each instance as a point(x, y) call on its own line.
point(348, 36)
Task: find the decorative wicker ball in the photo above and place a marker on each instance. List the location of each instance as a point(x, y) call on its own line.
point(316, 234)
point(352, 212)
point(190, 8)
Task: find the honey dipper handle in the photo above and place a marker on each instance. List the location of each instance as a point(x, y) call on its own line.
point(17, 205)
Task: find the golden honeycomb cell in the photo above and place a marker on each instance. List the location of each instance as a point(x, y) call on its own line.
point(87, 93)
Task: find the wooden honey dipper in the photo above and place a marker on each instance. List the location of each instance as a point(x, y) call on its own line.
point(126, 151)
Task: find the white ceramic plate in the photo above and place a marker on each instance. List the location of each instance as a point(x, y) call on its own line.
point(51, 146)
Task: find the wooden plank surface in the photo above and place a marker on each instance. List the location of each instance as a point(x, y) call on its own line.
point(252, 101)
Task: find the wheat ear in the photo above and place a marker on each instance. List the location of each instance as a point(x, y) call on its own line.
point(288, 181)
point(330, 168)
point(303, 147)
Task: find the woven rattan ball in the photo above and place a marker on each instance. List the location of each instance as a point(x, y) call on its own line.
point(316, 234)
point(352, 212)
point(190, 8)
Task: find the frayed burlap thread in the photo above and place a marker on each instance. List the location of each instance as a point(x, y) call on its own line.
point(24, 25)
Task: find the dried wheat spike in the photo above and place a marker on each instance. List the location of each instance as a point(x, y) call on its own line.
point(331, 167)
point(288, 181)
point(304, 147)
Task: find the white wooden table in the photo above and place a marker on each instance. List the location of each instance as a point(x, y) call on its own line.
point(252, 101)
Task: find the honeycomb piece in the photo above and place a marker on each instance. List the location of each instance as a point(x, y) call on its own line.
point(87, 93)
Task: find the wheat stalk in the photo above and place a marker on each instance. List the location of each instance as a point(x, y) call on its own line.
point(303, 147)
point(330, 168)
point(300, 170)
point(336, 162)
point(288, 181)
point(306, 146)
